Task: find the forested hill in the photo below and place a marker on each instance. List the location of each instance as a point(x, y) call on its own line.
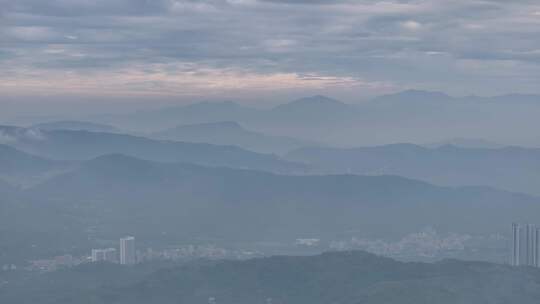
point(344, 277)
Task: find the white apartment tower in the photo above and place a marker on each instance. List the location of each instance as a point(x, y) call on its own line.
point(537, 247)
point(127, 251)
point(530, 245)
point(516, 246)
point(525, 245)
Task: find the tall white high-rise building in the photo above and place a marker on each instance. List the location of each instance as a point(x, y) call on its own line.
point(525, 245)
point(530, 245)
point(127, 251)
point(537, 247)
point(516, 246)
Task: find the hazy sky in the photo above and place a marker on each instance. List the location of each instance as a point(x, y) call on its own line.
point(249, 48)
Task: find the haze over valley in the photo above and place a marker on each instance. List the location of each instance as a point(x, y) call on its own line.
point(269, 151)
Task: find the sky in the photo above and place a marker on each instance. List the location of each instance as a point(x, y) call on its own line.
point(260, 50)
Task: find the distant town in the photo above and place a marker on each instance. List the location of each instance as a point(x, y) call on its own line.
point(128, 254)
point(425, 245)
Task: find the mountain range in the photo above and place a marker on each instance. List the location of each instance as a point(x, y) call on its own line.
point(83, 145)
point(115, 195)
point(434, 97)
point(314, 109)
point(21, 169)
point(232, 133)
point(80, 186)
point(408, 116)
point(75, 125)
point(511, 168)
point(146, 121)
point(465, 143)
point(13, 162)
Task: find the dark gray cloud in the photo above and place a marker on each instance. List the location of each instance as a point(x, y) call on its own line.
point(307, 2)
point(61, 8)
point(450, 45)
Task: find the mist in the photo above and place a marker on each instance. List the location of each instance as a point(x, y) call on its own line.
point(269, 151)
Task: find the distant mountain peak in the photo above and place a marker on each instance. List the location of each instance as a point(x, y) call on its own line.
point(319, 102)
point(114, 157)
point(424, 93)
point(218, 127)
point(118, 163)
point(414, 96)
point(321, 99)
point(417, 91)
point(75, 125)
point(219, 124)
point(220, 104)
point(463, 142)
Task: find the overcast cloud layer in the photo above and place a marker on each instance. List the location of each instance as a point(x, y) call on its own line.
point(185, 48)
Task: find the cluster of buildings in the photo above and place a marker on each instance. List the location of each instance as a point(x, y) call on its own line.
point(525, 245)
point(425, 244)
point(194, 252)
point(127, 253)
point(58, 262)
point(307, 242)
point(525, 249)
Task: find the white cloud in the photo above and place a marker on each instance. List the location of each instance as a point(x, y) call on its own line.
point(279, 45)
point(171, 79)
point(411, 25)
point(31, 33)
point(387, 41)
point(182, 6)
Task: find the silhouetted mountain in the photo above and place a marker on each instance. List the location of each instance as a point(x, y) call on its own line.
point(413, 96)
point(13, 161)
point(30, 228)
point(81, 145)
point(433, 97)
point(466, 143)
point(75, 125)
point(409, 116)
point(189, 200)
point(420, 116)
point(515, 99)
point(202, 112)
point(232, 133)
point(316, 118)
point(311, 109)
point(337, 277)
point(22, 168)
point(315, 103)
point(511, 168)
point(302, 113)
